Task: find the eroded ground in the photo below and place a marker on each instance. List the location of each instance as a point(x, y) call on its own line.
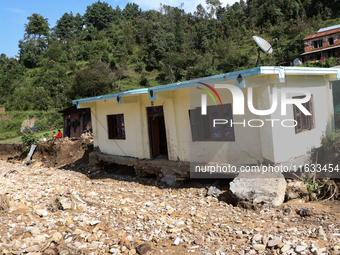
point(62, 211)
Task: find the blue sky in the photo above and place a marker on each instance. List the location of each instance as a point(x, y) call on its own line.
point(14, 15)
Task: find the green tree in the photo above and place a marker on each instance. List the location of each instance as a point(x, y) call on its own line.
point(92, 81)
point(68, 25)
point(79, 22)
point(99, 14)
point(64, 26)
point(10, 72)
point(200, 12)
point(63, 58)
point(36, 27)
point(29, 53)
point(179, 28)
point(213, 6)
point(105, 56)
point(131, 11)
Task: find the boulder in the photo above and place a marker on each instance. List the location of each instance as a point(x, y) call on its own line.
point(297, 189)
point(257, 187)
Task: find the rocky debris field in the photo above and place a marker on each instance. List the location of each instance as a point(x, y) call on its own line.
point(54, 211)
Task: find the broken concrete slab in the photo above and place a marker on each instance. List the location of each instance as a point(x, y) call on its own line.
point(167, 171)
point(255, 187)
point(169, 177)
point(96, 157)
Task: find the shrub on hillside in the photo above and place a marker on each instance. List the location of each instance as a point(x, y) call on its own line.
point(330, 138)
point(28, 138)
point(94, 80)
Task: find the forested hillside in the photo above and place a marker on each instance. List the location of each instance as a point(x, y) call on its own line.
point(106, 50)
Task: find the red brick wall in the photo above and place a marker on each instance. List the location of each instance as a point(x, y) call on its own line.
point(78, 129)
point(77, 114)
point(309, 44)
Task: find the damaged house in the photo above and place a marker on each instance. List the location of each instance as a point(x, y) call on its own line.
point(75, 121)
point(160, 129)
point(323, 44)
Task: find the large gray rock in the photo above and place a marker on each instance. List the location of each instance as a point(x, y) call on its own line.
point(258, 187)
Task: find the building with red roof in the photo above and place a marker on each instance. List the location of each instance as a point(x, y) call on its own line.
point(323, 44)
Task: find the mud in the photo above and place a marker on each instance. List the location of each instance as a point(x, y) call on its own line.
point(9, 150)
point(55, 153)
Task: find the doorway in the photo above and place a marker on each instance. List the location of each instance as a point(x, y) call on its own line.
point(157, 133)
point(67, 131)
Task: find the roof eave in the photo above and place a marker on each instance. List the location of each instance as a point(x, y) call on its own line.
point(264, 70)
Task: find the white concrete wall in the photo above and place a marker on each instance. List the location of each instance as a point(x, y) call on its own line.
point(176, 105)
point(136, 144)
point(278, 144)
point(247, 147)
point(265, 102)
point(288, 144)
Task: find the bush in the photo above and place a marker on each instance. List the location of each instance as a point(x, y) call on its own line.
point(41, 124)
point(28, 139)
point(105, 57)
point(112, 64)
point(73, 65)
point(144, 81)
point(330, 138)
point(330, 62)
point(94, 80)
point(55, 120)
point(63, 58)
point(46, 135)
point(49, 121)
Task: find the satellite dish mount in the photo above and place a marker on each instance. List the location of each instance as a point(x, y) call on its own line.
point(263, 46)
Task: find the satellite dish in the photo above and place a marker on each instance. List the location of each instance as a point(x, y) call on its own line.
point(263, 46)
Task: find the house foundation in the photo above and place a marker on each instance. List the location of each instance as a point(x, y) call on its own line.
point(165, 170)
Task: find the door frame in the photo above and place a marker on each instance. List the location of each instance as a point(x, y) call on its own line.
point(150, 117)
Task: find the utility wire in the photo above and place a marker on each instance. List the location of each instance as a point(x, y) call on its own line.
point(108, 133)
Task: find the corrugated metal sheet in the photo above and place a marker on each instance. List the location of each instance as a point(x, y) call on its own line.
point(328, 28)
point(333, 31)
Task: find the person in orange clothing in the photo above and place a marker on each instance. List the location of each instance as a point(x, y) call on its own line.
point(59, 135)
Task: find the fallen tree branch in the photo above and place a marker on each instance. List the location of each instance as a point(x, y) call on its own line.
point(329, 197)
point(296, 176)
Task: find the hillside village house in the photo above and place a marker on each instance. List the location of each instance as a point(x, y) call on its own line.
point(152, 123)
point(75, 121)
point(323, 44)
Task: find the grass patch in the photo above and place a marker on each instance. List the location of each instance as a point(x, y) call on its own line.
point(40, 135)
point(10, 123)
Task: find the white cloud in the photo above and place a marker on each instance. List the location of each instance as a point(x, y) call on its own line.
point(189, 5)
point(17, 11)
point(17, 16)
